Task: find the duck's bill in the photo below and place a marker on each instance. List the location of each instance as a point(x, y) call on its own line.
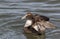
point(23, 17)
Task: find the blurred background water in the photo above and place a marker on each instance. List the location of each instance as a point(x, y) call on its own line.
point(11, 27)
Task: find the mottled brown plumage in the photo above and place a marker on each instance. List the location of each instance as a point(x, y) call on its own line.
point(39, 23)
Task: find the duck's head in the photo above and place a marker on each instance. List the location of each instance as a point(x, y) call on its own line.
point(28, 15)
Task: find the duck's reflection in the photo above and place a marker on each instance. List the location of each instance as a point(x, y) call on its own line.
point(33, 36)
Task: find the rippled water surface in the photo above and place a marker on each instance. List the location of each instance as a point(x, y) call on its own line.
point(11, 26)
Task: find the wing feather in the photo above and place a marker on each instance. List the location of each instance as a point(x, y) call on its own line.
point(48, 24)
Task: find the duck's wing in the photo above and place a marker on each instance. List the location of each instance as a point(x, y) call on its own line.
point(48, 24)
point(38, 27)
point(44, 18)
point(41, 28)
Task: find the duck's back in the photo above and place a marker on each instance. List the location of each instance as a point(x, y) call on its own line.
point(44, 17)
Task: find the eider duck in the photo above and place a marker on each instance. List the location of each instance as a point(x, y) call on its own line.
point(36, 24)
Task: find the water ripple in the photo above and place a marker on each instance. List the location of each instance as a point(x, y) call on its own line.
point(11, 11)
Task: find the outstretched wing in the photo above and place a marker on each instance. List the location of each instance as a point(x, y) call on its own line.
point(38, 27)
point(41, 26)
point(48, 24)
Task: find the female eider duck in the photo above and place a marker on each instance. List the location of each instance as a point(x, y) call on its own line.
point(36, 24)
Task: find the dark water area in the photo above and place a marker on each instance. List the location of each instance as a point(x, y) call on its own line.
point(11, 11)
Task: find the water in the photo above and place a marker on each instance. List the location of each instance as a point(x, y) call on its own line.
point(11, 11)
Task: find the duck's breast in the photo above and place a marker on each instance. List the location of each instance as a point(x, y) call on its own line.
point(28, 23)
